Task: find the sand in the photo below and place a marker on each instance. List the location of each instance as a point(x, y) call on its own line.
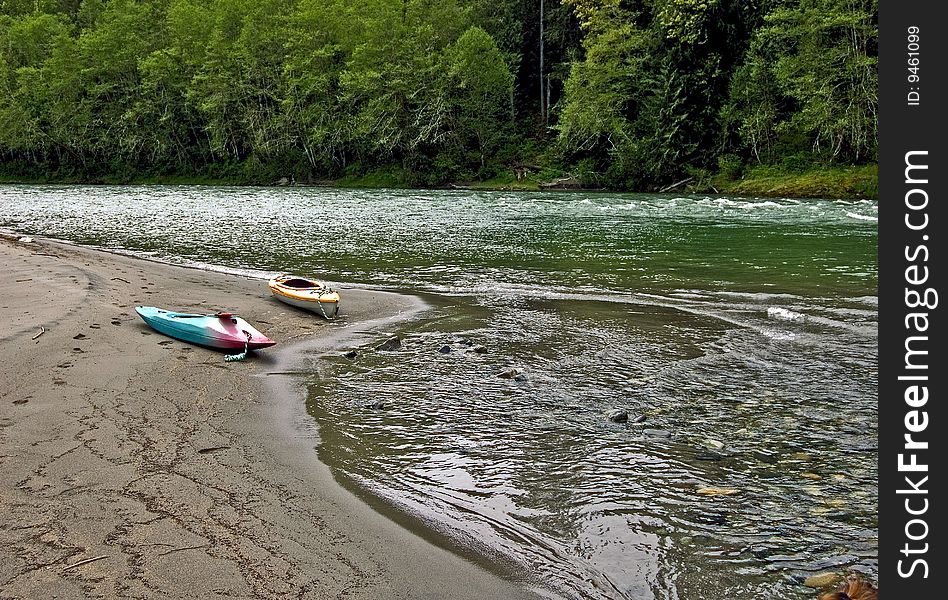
point(133, 465)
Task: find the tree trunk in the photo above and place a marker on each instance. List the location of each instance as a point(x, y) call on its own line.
point(542, 103)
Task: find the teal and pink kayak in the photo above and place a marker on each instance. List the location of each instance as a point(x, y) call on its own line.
point(224, 331)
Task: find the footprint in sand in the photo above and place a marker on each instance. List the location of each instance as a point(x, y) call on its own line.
point(165, 343)
point(94, 326)
point(64, 365)
point(58, 381)
point(146, 333)
point(78, 350)
point(115, 322)
point(79, 336)
point(22, 400)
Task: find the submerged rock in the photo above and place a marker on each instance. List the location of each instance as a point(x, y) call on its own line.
point(444, 349)
point(716, 491)
point(379, 405)
point(392, 343)
point(708, 456)
point(509, 373)
point(713, 518)
point(520, 378)
point(637, 419)
point(619, 416)
point(661, 433)
point(821, 580)
point(350, 354)
point(833, 562)
point(480, 349)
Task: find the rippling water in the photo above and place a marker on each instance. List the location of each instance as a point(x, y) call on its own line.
point(740, 334)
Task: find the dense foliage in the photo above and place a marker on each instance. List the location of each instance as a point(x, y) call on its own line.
point(633, 94)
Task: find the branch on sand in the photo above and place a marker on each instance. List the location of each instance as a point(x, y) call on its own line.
point(86, 561)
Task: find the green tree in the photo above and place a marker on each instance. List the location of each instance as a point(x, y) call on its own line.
point(236, 89)
point(26, 43)
point(603, 89)
point(317, 50)
point(645, 102)
point(391, 84)
point(480, 92)
point(754, 110)
point(109, 56)
point(175, 132)
point(838, 105)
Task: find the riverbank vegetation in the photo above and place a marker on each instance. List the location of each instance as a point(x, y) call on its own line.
point(639, 95)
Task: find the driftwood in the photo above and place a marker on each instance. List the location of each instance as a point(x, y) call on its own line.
point(86, 561)
point(674, 185)
point(562, 183)
point(185, 548)
point(42, 331)
point(288, 373)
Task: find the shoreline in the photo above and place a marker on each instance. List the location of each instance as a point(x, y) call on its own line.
point(846, 182)
point(171, 472)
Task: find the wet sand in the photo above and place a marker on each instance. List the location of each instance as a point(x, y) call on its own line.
point(134, 465)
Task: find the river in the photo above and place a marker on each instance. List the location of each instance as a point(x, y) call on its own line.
point(739, 336)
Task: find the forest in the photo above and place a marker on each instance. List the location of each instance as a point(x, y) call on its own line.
point(638, 95)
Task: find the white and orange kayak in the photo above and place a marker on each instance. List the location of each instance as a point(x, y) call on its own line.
point(305, 293)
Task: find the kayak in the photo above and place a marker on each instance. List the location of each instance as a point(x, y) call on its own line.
point(223, 331)
point(305, 293)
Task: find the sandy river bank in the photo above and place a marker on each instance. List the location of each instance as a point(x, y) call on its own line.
point(170, 472)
